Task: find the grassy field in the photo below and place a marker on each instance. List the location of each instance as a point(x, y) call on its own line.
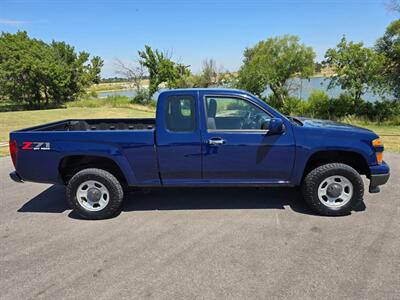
point(10, 121)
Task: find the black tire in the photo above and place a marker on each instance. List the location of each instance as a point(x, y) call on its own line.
point(113, 186)
point(313, 180)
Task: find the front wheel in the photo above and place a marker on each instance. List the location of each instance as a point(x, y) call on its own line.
point(333, 189)
point(95, 194)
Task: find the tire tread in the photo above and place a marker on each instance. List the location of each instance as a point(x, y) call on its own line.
point(116, 194)
point(313, 179)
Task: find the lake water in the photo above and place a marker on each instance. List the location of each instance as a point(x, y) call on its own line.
point(298, 87)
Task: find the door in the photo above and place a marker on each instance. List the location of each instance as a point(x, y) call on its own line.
point(178, 138)
point(237, 149)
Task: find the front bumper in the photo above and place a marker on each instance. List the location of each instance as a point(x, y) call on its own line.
point(15, 176)
point(379, 175)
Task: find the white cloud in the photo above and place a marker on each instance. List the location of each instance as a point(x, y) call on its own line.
point(11, 22)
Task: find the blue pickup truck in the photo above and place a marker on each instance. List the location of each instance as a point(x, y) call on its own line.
point(201, 137)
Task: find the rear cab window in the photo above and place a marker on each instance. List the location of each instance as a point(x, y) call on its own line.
point(180, 113)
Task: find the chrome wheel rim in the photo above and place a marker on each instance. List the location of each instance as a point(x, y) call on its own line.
point(335, 191)
point(92, 195)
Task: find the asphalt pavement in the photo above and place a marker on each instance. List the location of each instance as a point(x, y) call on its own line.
point(198, 243)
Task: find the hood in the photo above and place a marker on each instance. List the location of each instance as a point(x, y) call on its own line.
point(327, 124)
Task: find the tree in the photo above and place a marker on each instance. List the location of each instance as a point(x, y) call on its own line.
point(318, 67)
point(21, 66)
point(355, 67)
point(161, 68)
point(226, 78)
point(209, 74)
point(71, 71)
point(133, 73)
point(94, 69)
point(185, 78)
point(34, 72)
point(272, 63)
point(389, 47)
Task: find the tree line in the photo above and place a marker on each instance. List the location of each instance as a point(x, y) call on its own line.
point(272, 64)
point(39, 74)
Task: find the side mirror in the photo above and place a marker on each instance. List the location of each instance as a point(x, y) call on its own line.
point(275, 126)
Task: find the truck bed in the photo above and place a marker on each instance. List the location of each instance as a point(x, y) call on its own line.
point(127, 142)
point(96, 124)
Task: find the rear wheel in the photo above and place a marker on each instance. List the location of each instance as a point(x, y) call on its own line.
point(95, 194)
point(333, 189)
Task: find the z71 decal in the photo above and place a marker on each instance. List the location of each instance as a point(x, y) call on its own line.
point(36, 146)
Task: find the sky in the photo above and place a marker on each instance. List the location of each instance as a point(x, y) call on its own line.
point(193, 30)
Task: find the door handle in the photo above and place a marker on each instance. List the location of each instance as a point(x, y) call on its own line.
point(216, 141)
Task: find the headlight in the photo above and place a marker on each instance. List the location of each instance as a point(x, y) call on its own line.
point(377, 143)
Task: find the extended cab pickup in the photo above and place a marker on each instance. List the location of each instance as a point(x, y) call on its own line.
point(201, 137)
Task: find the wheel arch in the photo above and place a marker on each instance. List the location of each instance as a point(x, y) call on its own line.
point(70, 165)
point(352, 158)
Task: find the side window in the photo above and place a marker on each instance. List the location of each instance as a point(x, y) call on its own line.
point(224, 113)
point(180, 113)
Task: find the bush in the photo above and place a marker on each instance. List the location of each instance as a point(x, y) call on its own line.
point(318, 105)
point(273, 101)
point(380, 111)
point(321, 106)
point(343, 106)
point(92, 94)
point(142, 97)
point(152, 103)
point(291, 105)
point(110, 101)
point(294, 106)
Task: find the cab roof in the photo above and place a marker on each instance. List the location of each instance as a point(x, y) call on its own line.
point(214, 90)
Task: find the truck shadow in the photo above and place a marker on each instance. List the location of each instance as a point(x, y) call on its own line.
point(53, 200)
point(216, 198)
